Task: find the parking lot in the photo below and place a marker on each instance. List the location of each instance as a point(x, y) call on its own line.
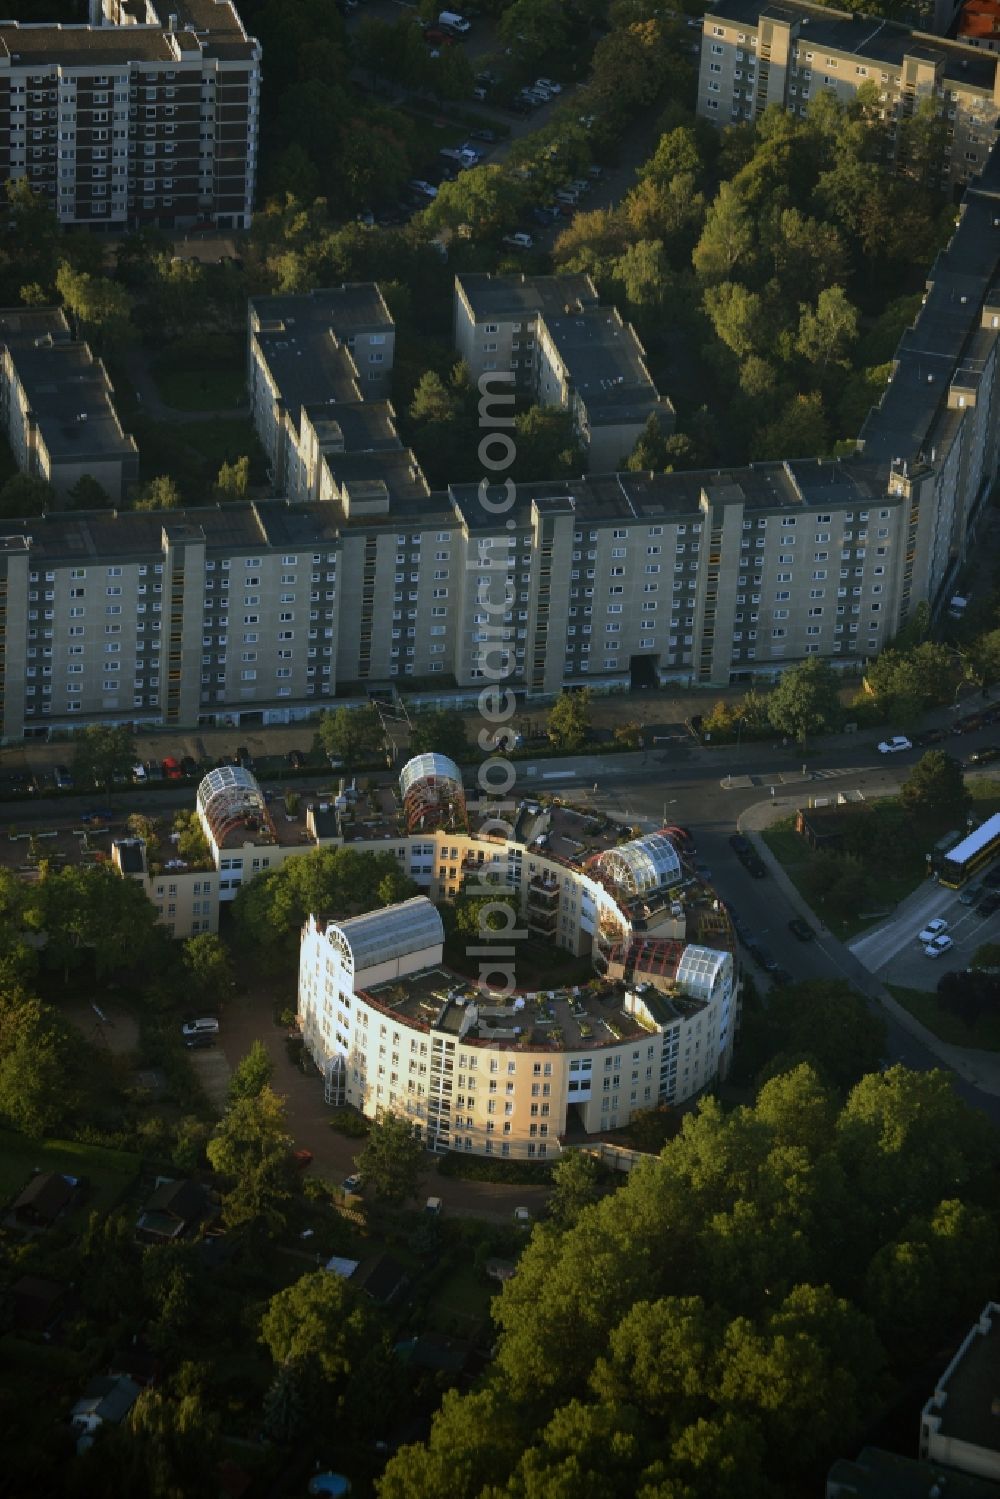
point(893, 952)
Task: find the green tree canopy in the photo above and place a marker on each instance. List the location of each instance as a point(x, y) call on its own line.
point(805, 701)
point(440, 731)
point(160, 493)
point(352, 735)
point(569, 721)
point(936, 789)
point(392, 1157)
point(103, 755)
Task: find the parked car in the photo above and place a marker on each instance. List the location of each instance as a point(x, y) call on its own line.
point(199, 1043)
point(550, 84)
point(302, 1158)
point(243, 757)
point(522, 1217)
point(971, 894)
point(933, 929)
point(189, 765)
point(64, 780)
point(989, 903)
point(519, 240)
point(984, 756)
point(762, 957)
point(205, 1025)
point(969, 723)
point(740, 845)
point(420, 185)
point(992, 878)
point(940, 945)
point(139, 774)
point(489, 136)
point(894, 745)
point(801, 929)
point(433, 1205)
point(171, 769)
point(352, 1183)
point(930, 736)
point(296, 759)
point(754, 865)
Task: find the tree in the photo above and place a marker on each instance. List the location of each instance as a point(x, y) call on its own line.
point(800, 431)
point(827, 331)
point(233, 480)
point(392, 1157)
point(987, 956)
point(102, 307)
point(93, 911)
point(351, 735)
point(568, 727)
point(208, 968)
point(440, 731)
point(827, 1024)
point(251, 1133)
point(38, 1089)
point(575, 1185)
point(547, 445)
point(87, 494)
point(104, 754)
point(24, 495)
point(727, 238)
point(970, 994)
point(737, 315)
point(649, 454)
point(936, 789)
point(252, 1073)
point(192, 845)
point(159, 494)
point(805, 700)
point(534, 28)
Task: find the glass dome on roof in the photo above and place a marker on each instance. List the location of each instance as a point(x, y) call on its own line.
point(699, 970)
point(642, 866)
point(227, 796)
point(431, 788)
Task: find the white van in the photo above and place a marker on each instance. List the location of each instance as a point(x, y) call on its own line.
point(454, 21)
point(205, 1026)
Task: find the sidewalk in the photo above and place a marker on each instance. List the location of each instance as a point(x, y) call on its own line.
point(980, 1068)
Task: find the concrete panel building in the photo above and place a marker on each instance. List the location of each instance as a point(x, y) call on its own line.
point(789, 52)
point(57, 407)
point(307, 354)
point(140, 117)
point(564, 350)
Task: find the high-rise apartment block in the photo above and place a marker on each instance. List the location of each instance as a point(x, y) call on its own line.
point(56, 405)
point(364, 577)
point(144, 116)
point(564, 349)
point(787, 53)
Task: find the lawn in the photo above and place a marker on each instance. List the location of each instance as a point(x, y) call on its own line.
point(924, 1006)
point(202, 389)
point(893, 849)
point(193, 452)
point(463, 1303)
point(110, 1172)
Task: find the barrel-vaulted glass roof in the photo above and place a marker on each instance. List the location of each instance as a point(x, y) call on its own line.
point(227, 796)
point(431, 788)
point(395, 932)
point(642, 866)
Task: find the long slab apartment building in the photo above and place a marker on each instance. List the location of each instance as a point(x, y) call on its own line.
point(146, 115)
point(264, 612)
point(788, 52)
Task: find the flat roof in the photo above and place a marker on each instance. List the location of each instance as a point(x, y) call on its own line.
point(524, 296)
point(970, 1386)
point(354, 307)
point(354, 426)
point(93, 536)
point(308, 366)
point(604, 360)
point(886, 42)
